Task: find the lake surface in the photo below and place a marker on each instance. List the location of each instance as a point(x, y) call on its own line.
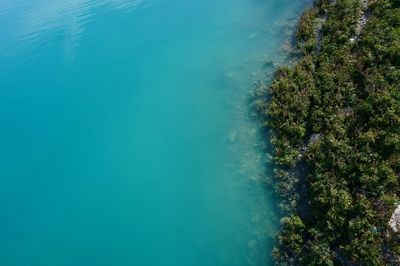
point(126, 136)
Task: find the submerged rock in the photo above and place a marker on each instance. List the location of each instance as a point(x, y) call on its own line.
point(252, 243)
point(253, 35)
point(230, 75)
point(269, 158)
point(269, 64)
point(232, 136)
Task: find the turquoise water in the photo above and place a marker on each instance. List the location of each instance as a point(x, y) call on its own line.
point(126, 136)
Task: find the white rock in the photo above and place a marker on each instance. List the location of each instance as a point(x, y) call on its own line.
point(394, 222)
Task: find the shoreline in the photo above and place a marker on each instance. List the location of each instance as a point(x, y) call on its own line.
point(334, 120)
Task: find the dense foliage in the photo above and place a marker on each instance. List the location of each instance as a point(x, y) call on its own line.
point(335, 124)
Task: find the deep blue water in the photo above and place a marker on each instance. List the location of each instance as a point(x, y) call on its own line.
point(126, 136)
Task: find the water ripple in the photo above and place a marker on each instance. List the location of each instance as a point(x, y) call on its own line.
point(69, 17)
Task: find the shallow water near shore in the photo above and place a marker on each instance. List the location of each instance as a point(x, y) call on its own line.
point(126, 135)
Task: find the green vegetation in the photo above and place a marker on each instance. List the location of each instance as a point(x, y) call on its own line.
point(334, 118)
